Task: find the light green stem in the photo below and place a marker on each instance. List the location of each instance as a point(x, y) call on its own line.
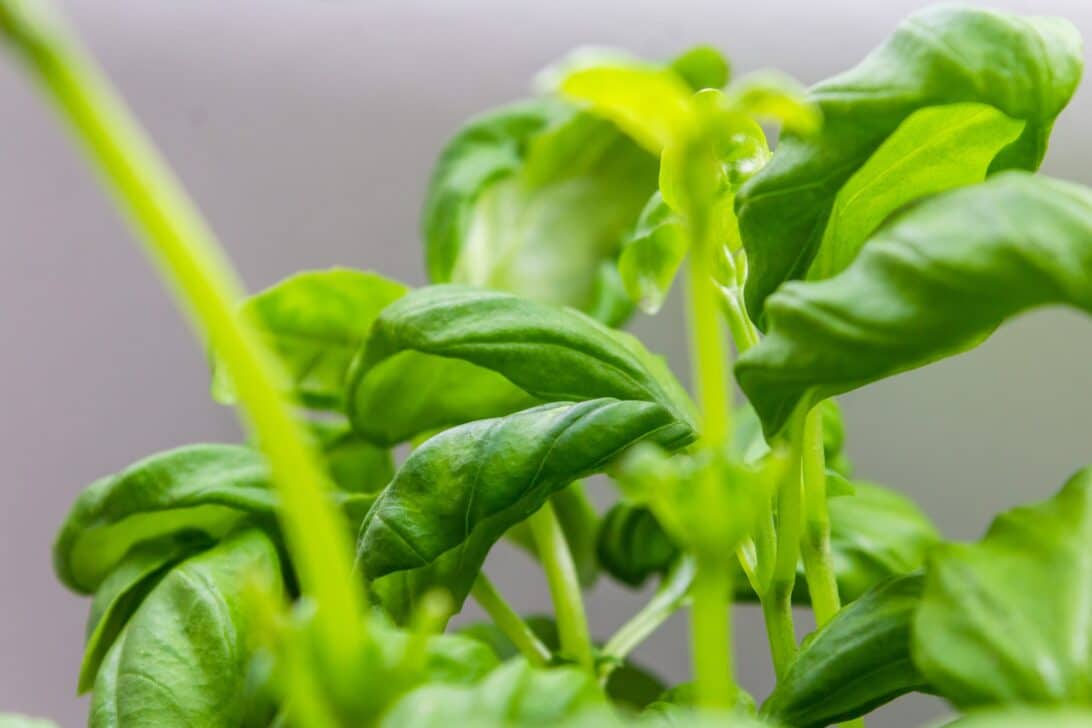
point(509, 622)
point(777, 602)
point(709, 355)
point(710, 618)
point(666, 601)
point(710, 634)
point(557, 562)
point(191, 262)
point(818, 561)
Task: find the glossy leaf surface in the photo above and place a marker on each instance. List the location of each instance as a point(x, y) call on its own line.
point(198, 488)
point(858, 661)
point(492, 352)
point(1026, 67)
point(315, 321)
point(935, 282)
point(461, 490)
point(183, 659)
point(1005, 620)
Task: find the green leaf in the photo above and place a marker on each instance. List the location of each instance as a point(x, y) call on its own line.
point(315, 321)
point(627, 684)
point(1026, 68)
point(10, 720)
point(508, 352)
point(461, 490)
point(632, 546)
point(648, 102)
point(195, 493)
point(121, 593)
point(652, 254)
point(876, 533)
point(183, 659)
point(533, 199)
point(1026, 717)
point(355, 464)
point(207, 489)
point(934, 149)
point(856, 662)
point(774, 96)
point(749, 444)
point(513, 694)
point(935, 282)
point(1005, 620)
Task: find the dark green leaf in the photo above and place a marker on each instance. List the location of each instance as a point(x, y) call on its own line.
point(632, 546)
point(514, 694)
point(1027, 68)
point(316, 321)
point(121, 593)
point(206, 489)
point(1005, 620)
point(858, 661)
point(935, 282)
point(183, 659)
point(195, 493)
point(505, 350)
point(461, 490)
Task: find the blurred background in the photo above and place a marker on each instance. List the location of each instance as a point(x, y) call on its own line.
point(306, 130)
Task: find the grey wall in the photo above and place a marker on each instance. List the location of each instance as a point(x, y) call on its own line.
point(306, 130)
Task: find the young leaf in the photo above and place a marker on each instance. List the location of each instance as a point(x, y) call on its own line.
point(198, 488)
point(533, 199)
point(936, 281)
point(632, 546)
point(856, 662)
point(513, 694)
point(183, 659)
point(315, 321)
point(1005, 620)
point(461, 490)
point(651, 255)
point(1026, 68)
point(121, 593)
point(550, 353)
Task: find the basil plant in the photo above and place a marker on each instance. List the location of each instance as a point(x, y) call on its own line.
point(307, 577)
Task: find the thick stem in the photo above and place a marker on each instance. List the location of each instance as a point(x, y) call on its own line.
point(557, 562)
point(191, 262)
point(818, 562)
point(709, 355)
point(711, 634)
point(666, 601)
point(509, 622)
